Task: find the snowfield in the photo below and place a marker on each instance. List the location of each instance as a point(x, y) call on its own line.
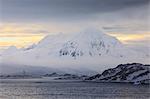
point(90, 49)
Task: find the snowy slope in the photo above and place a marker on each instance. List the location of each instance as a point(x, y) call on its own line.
point(134, 72)
point(90, 49)
point(94, 43)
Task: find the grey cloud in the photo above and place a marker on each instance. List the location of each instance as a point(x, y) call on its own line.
point(140, 45)
point(127, 28)
point(62, 9)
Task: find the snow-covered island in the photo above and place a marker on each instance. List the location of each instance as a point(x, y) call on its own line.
point(70, 56)
point(131, 73)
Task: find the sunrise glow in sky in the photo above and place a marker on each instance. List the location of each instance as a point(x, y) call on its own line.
point(23, 22)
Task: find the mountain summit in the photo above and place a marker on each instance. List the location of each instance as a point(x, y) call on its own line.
point(91, 43)
point(89, 49)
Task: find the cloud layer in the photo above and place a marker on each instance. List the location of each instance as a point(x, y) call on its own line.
point(125, 19)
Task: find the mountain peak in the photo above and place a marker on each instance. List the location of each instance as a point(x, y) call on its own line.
point(91, 42)
point(87, 49)
point(91, 33)
point(92, 30)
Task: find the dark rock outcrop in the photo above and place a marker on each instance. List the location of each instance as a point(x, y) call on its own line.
point(135, 73)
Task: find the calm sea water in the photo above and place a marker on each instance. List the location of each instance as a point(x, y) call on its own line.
point(49, 89)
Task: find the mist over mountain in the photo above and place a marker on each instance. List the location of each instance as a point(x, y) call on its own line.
point(87, 50)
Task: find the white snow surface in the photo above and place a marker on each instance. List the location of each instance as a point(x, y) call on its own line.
point(90, 49)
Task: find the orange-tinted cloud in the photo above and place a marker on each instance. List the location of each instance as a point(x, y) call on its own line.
point(21, 35)
point(125, 38)
point(19, 41)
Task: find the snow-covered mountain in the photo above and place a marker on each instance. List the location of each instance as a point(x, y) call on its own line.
point(90, 49)
point(93, 43)
point(134, 72)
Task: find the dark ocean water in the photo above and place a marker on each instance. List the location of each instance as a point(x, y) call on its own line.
point(50, 89)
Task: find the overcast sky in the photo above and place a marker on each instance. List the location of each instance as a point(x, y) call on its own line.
point(121, 18)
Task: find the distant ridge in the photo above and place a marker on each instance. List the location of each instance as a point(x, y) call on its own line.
point(133, 72)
